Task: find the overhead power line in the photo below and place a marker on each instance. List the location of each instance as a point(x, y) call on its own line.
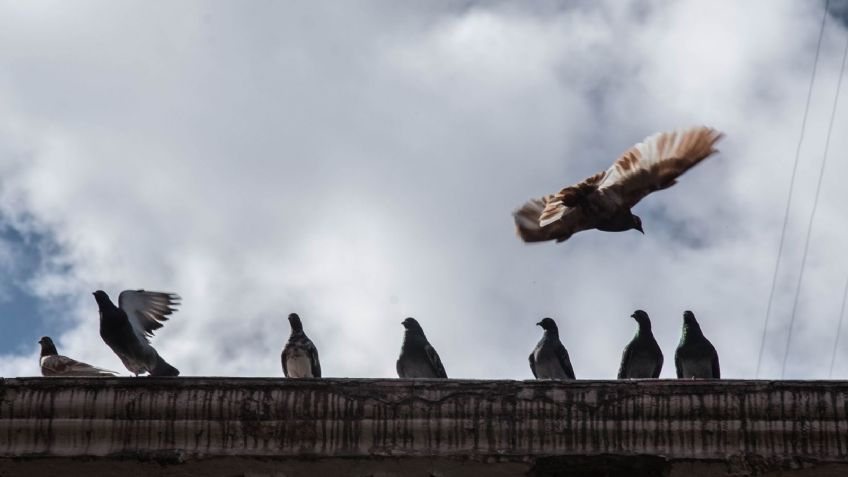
point(791, 190)
point(813, 212)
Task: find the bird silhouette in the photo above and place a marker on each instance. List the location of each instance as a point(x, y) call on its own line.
point(549, 360)
point(604, 201)
point(642, 357)
point(696, 357)
point(299, 356)
point(418, 358)
point(126, 328)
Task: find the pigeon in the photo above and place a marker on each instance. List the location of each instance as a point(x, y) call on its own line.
point(549, 360)
point(418, 359)
point(696, 357)
point(126, 328)
point(299, 356)
point(604, 200)
point(54, 364)
point(642, 357)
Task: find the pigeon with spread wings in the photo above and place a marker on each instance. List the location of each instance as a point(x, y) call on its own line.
point(128, 327)
point(604, 200)
point(54, 364)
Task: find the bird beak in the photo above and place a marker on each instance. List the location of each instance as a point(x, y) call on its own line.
point(539, 324)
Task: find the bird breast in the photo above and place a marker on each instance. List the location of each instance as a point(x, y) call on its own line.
point(298, 363)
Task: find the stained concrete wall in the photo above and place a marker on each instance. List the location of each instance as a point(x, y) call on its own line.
point(259, 426)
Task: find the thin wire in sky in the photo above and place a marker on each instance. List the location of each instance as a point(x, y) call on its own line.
point(813, 212)
point(838, 330)
point(791, 189)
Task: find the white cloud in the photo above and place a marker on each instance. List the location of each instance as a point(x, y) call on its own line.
point(358, 164)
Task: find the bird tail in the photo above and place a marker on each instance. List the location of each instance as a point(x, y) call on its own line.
point(162, 368)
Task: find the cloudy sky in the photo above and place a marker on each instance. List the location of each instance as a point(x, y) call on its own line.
point(357, 162)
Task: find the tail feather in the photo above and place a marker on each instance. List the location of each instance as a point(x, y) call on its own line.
point(162, 368)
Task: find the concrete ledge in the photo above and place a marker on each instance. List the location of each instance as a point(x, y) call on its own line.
point(525, 426)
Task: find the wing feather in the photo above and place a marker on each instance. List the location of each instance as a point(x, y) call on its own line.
point(147, 310)
point(435, 361)
point(529, 229)
point(58, 365)
point(657, 162)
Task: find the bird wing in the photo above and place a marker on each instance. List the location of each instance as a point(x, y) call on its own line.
point(716, 369)
point(562, 356)
point(435, 362)
point(657, 162)
point(625, 360)
point(146, 310)
point(283, 359)
point(313, 359)
point(533, 365)
point(569, 222)
point(658, 367)
point(677, 364)
point(59, 365)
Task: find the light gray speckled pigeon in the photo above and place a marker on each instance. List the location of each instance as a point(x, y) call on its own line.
point(54, 364)
point(549, 360)
point(299, 356)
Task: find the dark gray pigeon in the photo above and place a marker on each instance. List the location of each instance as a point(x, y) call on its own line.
point(418, 359)
point(54, 364)
point(642, 357)
point(696, 357)
point(299, 356)
point(126, 328)
point(549, 360)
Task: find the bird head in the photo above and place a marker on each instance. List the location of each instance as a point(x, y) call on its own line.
point(641, 317)
point(689, 318)
point(295, 323)
point(636, 223)
point(548, 324)
point(411, 324)
point(101, 297)
point(47, 346)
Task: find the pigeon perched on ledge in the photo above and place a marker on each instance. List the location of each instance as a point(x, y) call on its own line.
point(126, 328)
point(604, 200)
point(299, 356)
point(642, 357)
point(696, 357)
point(54, 364)
point(549, 360)
point(418, 359)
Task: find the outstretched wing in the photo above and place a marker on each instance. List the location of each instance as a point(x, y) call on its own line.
point(58, 365)
point(529, 229)
point(147, 310)
point(435, 362)
point(570, 197)
point(657, 162)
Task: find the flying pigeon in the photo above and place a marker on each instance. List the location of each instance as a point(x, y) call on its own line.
point(549, 360)
point(642, 357)
point(299, 356)
point(54, 364)
point(418, 359)
point(696, 357)
point(604, 200)
point(126, 328)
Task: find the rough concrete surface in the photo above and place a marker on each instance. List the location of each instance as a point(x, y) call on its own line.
point(277, 427)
